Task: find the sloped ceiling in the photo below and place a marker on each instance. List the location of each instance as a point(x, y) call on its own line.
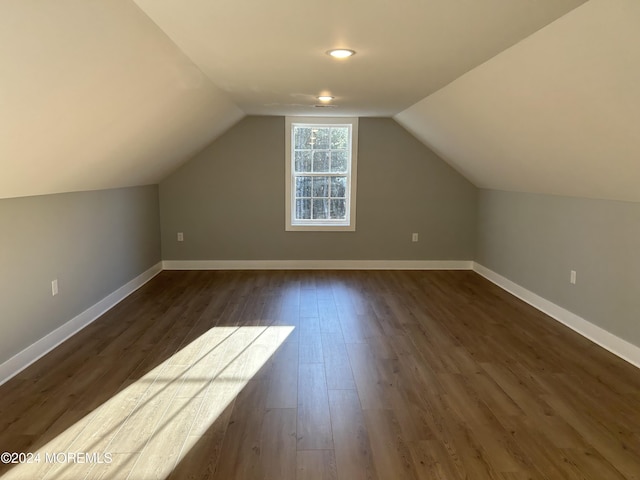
point(557, 113)
point(99, 94)
point(94, 95)
point(270, 55)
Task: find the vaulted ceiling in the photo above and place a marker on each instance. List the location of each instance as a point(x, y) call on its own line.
point(94, 95)
point(557, 113)
point(520, 95)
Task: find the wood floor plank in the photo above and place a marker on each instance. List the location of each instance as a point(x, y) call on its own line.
point(240, 454)
point(391, 455)
point(161, 452)
point(432, 461)
point(278, 444)
point(328, 315)
point(201, 451)
point(283, 381)
point(336, 362)
point(316, 465)
point(373, 392)
point(354, 458)
point(311, 350)
point(613, 448)
point(314, 421)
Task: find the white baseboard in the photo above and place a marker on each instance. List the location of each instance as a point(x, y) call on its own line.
point(35, 351)
point(616, 345)
point(317, 265)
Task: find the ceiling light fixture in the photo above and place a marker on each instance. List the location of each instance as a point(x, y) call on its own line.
point(325, 98)
point(341, 53)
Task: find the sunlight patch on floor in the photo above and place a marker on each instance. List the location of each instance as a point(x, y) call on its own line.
point(147, 428)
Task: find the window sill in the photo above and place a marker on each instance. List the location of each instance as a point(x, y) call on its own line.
point(320, 228)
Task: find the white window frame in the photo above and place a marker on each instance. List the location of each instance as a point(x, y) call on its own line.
point(327, 225)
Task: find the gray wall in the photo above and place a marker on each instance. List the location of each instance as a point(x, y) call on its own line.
point(230, 203)
point(93, 242)
point(535, 240)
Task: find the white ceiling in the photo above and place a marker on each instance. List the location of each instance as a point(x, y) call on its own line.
point(557, 113)
point(270, 55)
point(94, 95)
point(111, 93)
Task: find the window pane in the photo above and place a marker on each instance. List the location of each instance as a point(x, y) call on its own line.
point(320, 161)
point(302, 137)
point(321, 138)
point(303, 186)
point(320, 209)
point(338, 209)
point(339, 159)
point(320, 186)
point(338, 186)
point(319, 169)
point(340, 137)
point(303, 209)
point(303, 160)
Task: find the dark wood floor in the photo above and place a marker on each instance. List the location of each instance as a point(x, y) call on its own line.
point(282, 375)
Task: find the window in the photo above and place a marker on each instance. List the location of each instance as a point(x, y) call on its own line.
point(321, 173)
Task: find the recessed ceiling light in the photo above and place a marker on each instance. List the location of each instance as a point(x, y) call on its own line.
point(325, 98)
point(341, 52)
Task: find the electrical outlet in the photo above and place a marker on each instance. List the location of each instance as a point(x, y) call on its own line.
point(414, 237)
point(54, 287)
point(572, 277)
point(180, 237)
